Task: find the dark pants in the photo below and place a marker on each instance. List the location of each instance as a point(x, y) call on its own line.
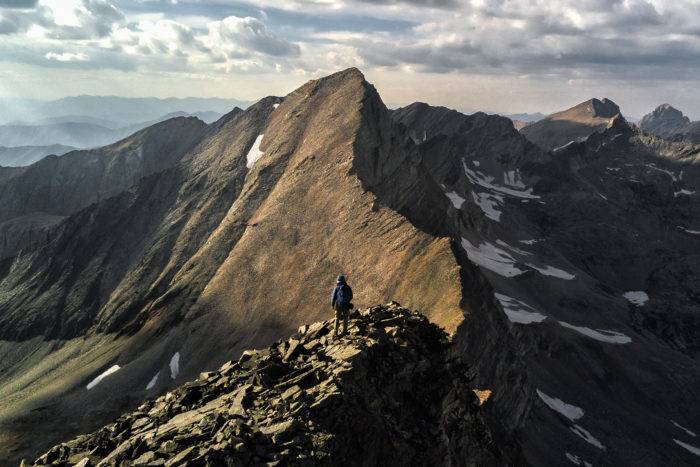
point(341, 312)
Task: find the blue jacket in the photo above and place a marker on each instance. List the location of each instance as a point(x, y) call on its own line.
point(336, 290)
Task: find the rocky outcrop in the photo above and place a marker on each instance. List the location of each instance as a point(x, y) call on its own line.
point(574, 124)
point(384, 394)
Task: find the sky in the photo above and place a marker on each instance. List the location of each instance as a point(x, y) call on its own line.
point(504, 56)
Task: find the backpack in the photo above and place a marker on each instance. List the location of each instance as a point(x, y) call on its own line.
point(343, 296)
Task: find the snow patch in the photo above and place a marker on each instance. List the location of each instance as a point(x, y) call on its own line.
point(559, 148)
point(687, 446)
point(175, 365)
point(667, 172)
point(274, 106)
point(585, 434)
point(512, 178)
point(513, 249)
point(518, 312)
point(486, 181)
point(153, 381)
point(636, 297)
point(476, 163)
point(602, 335)
point(255, 153)
point(577, 460)
point(492, 258)
point(691, 433)
point(489, 204)
point(457, 200)
point(529, 242)
point(569, 411)
point(552, 271)
point(98, 379)
point(683, 191)
point(693, 232)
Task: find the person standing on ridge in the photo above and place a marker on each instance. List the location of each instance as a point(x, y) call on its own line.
point(341, 301)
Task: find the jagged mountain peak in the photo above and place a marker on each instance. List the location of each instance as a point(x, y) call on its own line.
point(663, 115)
point(669, 123)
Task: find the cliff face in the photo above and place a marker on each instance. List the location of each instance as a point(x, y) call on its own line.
point(384, 394)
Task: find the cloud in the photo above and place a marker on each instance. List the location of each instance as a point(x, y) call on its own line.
point(66, 57)
point(630, 39)
point(250, 34)
point(447, 4)
point(19, 4)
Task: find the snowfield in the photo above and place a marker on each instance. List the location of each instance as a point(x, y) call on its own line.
point(457, 201)
point(553, 272)
point(98, 379)
point(255, 153)
point(519, 312)
point(175, 365)
point(486, 181)
point(153, 381)
point(602, 335)
point(489, 204)
point(637, 297)
point(492, 258)
point(586, 435)
point(569, 411)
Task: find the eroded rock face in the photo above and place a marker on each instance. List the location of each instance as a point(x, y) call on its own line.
point(384, 394)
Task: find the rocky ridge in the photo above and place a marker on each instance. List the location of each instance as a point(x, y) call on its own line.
point(384, 394)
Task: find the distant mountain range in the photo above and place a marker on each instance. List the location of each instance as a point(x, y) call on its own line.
point(73, 132)
point(109, 111)
point(26, 155)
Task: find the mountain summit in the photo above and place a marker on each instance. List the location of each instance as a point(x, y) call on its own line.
point(576, 123)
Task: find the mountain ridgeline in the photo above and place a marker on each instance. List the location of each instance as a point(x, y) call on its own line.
point(565, 279)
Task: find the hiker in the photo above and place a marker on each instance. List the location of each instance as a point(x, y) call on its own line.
point(340, 300)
